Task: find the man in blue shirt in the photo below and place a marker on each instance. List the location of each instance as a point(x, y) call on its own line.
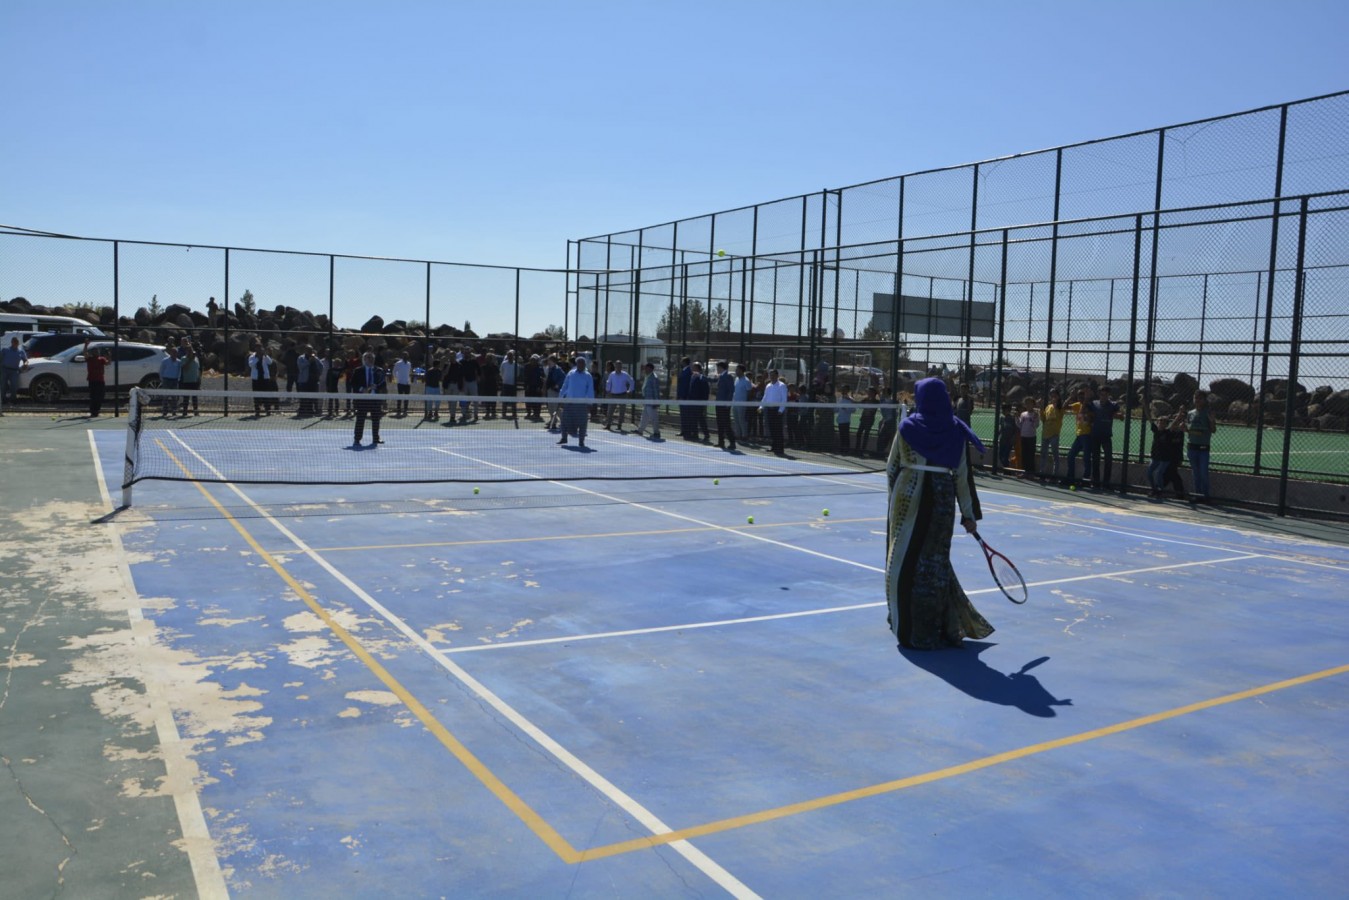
point(13, 360)
point(577, 386)
point(725, 394)
point(169, 369)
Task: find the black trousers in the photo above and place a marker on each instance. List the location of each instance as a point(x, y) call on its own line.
point(724, 430)
point(97, 390)
point(375, 415)
point(773, 422)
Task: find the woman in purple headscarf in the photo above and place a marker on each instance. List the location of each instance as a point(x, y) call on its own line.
point(929, 476)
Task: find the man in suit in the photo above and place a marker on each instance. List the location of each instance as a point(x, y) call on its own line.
point(699, 389)
point(725, 394)
point(368, 378)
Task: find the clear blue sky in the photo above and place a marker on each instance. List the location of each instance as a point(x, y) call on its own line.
point(493, 131)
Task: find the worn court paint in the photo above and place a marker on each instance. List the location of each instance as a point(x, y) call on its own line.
point(724, 722)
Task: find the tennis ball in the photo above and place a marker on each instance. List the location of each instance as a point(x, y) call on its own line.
point(716, 481)
point(826, 512)
point(721, 253)
point(749, 519)
point(475, 490)
point(1072, 487)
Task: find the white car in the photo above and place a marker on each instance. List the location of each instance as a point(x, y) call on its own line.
point(49, 379)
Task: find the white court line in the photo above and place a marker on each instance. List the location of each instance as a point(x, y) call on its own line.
point(606, 788)
point(178, 769)
point(1040, 517)
point(671, 514)
point(507, 645)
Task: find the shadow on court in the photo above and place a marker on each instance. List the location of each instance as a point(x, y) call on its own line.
point(966, 672)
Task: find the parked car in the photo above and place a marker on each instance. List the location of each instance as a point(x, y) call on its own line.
point(48, 380)
point(985, 380)
point(42, 345)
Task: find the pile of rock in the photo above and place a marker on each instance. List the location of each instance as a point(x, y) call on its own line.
point(227, 337)
point(1232, 400)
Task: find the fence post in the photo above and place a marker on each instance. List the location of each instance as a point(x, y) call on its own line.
point(1129, 377)
point(967, 308)
point(896, 315)
point(753, 278)
point(515, 344)
point(117, 328)
point(998, 359)
point(1053, 276)
point(1269, 290)
point(332, 292)
point(1294, 354)
point(225, 313)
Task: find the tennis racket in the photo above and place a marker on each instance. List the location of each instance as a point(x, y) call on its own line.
point(1005, 574)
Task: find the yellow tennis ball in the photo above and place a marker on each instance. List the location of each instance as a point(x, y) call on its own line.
point(826, 512)
point(475, 490)
point(716, 481)
point(749, 519)
point(721, 253)
point(1072, 487)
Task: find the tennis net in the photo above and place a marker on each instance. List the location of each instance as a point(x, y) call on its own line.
point(343, 439)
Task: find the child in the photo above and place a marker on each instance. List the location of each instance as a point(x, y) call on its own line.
point(1029, 423)
point(1007, 428)
point(844, 419)
point(1168, 448)
point(867, 421)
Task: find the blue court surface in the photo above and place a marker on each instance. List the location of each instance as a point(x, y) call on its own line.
point(599, 689)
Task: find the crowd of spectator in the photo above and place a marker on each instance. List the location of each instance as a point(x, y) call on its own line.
point(1093, 413)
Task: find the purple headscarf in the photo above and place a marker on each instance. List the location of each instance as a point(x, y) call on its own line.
point(933, 429)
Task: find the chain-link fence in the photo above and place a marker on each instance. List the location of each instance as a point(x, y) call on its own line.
point(1212, 255)
point(226, 302)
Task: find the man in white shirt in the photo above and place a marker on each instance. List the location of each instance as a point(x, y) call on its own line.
point(617, 385)
point(261, 369)
point(774, 404)
point(510, 372)
point(741, 395)
point(402, 376)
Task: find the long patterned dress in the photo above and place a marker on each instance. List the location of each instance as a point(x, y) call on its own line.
point(928, 608)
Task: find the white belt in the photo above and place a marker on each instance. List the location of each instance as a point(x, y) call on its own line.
point(931, 469)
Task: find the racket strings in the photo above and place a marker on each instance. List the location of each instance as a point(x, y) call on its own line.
point(1008, 578)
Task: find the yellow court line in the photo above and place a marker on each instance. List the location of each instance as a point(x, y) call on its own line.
point(569, 854)
point(781, 812)
point(580, 537)
point(513, 801)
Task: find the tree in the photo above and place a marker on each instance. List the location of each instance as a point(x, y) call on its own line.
point(691, 317)
point(555, 332)
point(719, 320)
point(155, 308)
point(247, 302)
point(882, 354)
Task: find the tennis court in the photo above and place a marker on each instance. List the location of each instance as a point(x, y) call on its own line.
point(605, 688)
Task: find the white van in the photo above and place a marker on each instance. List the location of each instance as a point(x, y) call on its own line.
point(25, 325)
point(67, 325)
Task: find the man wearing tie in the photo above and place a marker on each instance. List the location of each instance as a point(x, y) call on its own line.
point(368, 378)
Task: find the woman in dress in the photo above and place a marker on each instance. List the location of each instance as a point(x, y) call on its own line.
point(928, 476)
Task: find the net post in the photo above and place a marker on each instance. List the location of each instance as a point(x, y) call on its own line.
point(133, 428)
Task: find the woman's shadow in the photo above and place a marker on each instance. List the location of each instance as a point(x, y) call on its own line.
point(965, 671)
